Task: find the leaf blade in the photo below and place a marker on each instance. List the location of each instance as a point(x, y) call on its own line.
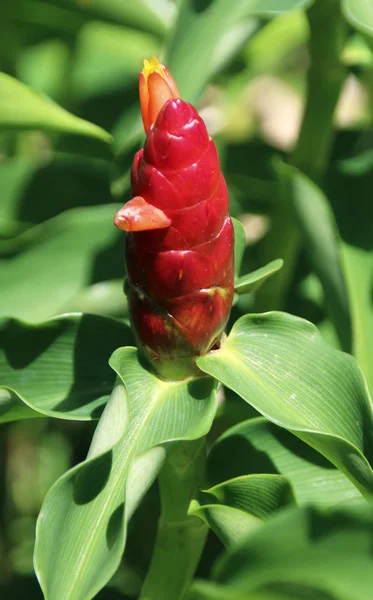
point(266, 359)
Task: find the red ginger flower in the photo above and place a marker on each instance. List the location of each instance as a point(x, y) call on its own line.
point(179, 245)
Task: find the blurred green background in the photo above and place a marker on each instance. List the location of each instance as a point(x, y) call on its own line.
point(61, 182)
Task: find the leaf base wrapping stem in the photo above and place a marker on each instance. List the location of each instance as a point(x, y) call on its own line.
point(180, 538)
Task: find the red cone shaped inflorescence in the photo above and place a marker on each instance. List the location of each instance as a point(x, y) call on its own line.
point(179, 245)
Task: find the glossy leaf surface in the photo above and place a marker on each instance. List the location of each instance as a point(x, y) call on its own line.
point(282, 367)
point(97, 497)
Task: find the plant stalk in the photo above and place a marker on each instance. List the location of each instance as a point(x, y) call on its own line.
point(180, 537)
point(325, 78)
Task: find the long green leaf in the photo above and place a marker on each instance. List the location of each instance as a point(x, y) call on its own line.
point(60, 255)
point(282, 367)
point(150, 15)
point(57, 368)
point(23, 108)
point(317, 225)
point(194, 48)
point(82, 526)
point(349, 185)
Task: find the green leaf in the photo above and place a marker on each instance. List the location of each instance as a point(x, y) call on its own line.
point(76, 180)
point(97, 497)
point(197, 37)
point(243, 502)
point(206, 590)
point(258, 446)
point(359, 13)
point(350, 181)
point(239, 244)
point(140, 14)
point(320, 237)
point(229, 524)
point(282, 367)
point(303, 553)
point(44, 67)
point(260, 495)
point(252, 281)
point(57, 368)
point(78, 236)
point(100, 67)
point(23, 108)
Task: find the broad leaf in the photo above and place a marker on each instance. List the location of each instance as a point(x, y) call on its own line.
point(97, 497)
point(58, 368)
point(359, 13)
point(282, 367)
point(258, 446)
point(201, 26)
point(300, 553)
point(252, 281)
point(60, 255)
point(23, 108)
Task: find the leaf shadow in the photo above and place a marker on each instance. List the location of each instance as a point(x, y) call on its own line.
point(92, 478)
point(23, 344)
point(236, 455)
point(115, 526)
point(95, 340)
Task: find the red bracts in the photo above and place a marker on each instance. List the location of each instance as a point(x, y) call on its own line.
point(179, 245)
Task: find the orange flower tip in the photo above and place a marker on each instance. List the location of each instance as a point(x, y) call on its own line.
point(139, 215)
point(156, 87)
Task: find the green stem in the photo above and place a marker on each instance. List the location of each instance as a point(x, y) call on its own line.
point(180, 538)
point(325, 78)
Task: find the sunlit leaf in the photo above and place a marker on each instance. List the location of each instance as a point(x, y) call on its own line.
point(60, 255)
point(282, 367)
point(97, 497)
